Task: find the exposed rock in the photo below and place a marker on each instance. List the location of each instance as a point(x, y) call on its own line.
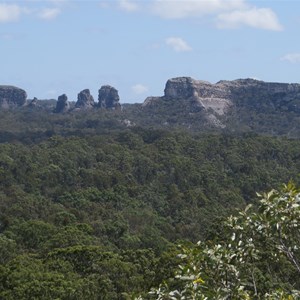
point(85, 100)
point(33, 103)
point(221, 96)
point(108, 97)
point(128, 123)
point(151, 101)
point(243, 103)
point(181, 87)
point(11, 97)
point(239, 105)
point(214, 121)
point(260, 95)
point(62, 104)
point(201, 94)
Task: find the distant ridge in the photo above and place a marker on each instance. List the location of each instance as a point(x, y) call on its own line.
point(240, 105)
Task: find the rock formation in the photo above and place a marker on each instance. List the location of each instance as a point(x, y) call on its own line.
point(263, 96)
point(62, 104)
point(108, 97)
point(33, 103)
point(219, 97)
point(201, 94)
point(181, 87)
point(85, 100)
point(238, 105)
point(11, 97)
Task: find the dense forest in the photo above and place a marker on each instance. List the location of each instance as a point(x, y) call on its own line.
point(92, 209)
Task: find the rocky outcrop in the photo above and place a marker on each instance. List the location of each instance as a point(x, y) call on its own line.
point(33, 103)
point(11, 97)
point(108, 97)
point(85, 100)
point(150, 101)
point(263, 96)
point(62, 104)
point(238, 105)
point(181, 87)
point(220, 97)
point(201, 94)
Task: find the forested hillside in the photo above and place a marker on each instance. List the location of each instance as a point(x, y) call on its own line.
point(96, 212)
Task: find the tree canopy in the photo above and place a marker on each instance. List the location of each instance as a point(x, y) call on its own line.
point(88, 212)
point(256, 255)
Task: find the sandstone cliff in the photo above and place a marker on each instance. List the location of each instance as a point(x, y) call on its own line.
point(11, 96)
point(85, 100)
point(241, 92)
point(108, 97)
point(243, 104)
point(62, 104)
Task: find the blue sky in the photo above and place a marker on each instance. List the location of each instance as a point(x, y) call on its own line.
point(64, 46)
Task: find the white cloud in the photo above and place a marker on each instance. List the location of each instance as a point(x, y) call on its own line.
point(9, 12)
point(139, 89)
point(128, 5)
point(292, 57)
point(227, 13)
point(49, 13)
point(178, 44)
point(263, 18)
point(194, 8)
point(13, 12)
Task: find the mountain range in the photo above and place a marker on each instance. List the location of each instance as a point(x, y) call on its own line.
point(240, 105)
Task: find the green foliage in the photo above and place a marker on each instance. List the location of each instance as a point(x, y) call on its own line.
point(256, 258)
point(8, 249)
point(27, 277)
point(96, 210)
point(31, 234)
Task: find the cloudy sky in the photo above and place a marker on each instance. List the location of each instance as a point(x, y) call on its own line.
point(64, 46)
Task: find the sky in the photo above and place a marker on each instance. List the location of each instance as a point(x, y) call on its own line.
point(53, 47)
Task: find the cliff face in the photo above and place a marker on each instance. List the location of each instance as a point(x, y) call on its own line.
point(108, 97)
point(239, 93)
point(85, 100)
point(11, 96)
point(243, 104)
point(264, 96)
point(62, 104)
point(202, 93)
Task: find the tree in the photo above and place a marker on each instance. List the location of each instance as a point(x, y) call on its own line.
point(256, 256)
